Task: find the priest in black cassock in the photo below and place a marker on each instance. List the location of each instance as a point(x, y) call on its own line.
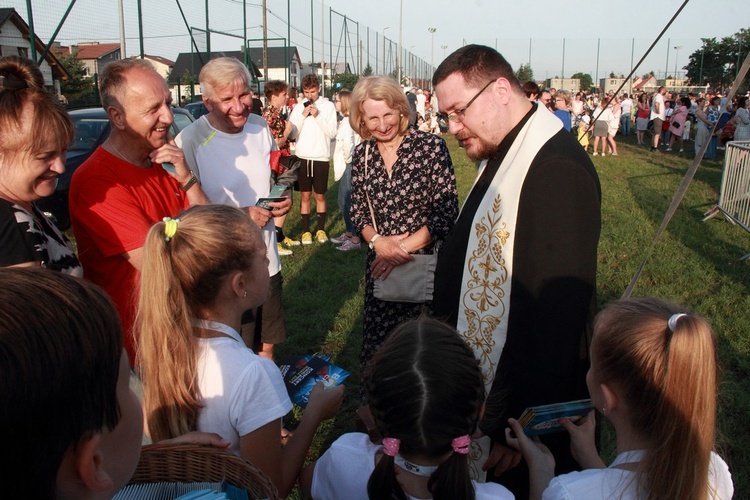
point(517, 275)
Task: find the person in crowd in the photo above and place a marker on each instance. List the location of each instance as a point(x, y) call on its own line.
point(412, 99)
point(654, 376)
point(64, 385)
point(545, 99)
point(713, 114)
point(742, 119)
point(626, 104)
point(36, 135)
point(421, 103)
point(642, 117)
point(315, 125)
point(666, 133)
point(277, 95)
point(291, 101)
point(603, 116)
point(677, 123)
point(562, 108)
point(577, 107)
point(404, 197)
point(229, 150)
point(703, 128)
point(525, 250)
point(532, 91)
point(425, 390)
point(346, 140)
point(583, 130)
point(201, 272)
point(135, 178)
point(65, 388)
point(658, 116)
point(614, 123)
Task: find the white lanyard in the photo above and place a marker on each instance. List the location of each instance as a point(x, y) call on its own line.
point(217, 327)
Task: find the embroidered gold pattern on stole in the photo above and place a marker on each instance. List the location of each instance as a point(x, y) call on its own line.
point(483, 301)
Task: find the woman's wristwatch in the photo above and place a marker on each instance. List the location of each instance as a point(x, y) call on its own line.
point(372, 241)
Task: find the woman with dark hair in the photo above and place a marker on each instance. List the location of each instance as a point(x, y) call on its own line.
point(742, 120)
point(425, 391)
point(677, 122)
point(712, 116)
point(642, 117)
point(654, 376)
point(36, 132)
point(404, 198)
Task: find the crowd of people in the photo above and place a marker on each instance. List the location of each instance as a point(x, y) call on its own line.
point(176, 282)
point(667, 117)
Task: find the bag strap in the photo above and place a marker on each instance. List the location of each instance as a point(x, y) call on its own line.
point(369, 203)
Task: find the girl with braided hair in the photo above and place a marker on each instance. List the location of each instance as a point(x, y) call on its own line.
point(425, 391)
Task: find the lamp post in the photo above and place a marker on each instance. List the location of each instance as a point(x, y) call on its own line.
point(387, 27)
point(432, 54)
point(443, 47)
point(676, 53)
point(400, 39)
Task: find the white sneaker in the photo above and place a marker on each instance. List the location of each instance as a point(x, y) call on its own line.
point(343, 238)
point(348, 245)
point(595, 153)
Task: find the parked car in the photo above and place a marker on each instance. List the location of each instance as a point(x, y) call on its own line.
point(197, 109)
point(92, 129)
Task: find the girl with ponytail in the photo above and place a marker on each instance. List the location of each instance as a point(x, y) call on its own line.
point(654, 376)
point(425, 390)
point(200, 273)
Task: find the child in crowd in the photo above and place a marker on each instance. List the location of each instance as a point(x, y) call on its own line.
point(654, 375)
point(346, 140)
point(65, 392)
point(425, 391)
point(74, 426)
point(200, 273)
point(583, 130)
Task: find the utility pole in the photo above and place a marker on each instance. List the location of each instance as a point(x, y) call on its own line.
point(432, 54)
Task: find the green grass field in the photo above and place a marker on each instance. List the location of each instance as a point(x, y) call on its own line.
point(695, 263)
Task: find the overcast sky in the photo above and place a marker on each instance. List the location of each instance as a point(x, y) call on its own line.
point(522, 33)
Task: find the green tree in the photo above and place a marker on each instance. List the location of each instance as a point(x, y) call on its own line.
point(586, 81)
point(78, 89)
point(716, 63)
point(367, 71)
point(524, 73)
point(345, 81)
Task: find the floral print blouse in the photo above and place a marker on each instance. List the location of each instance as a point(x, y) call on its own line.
point(421, 190)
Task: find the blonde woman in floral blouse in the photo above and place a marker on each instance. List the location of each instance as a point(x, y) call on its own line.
point(410, 182)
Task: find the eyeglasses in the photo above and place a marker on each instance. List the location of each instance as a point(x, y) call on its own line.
point(458, 114)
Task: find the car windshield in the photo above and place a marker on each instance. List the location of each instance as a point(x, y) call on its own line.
point(88, 131)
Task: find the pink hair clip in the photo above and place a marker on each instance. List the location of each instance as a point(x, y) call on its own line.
point(390, 446)
point(461, 444)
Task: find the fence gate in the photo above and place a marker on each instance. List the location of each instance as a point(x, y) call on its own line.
point(734, 197)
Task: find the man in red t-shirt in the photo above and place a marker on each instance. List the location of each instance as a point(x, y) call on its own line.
point(122, 189)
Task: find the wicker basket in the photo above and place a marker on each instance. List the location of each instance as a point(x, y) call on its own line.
point(196, 463)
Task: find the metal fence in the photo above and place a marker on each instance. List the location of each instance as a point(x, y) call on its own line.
point(734, 196)
point(321, 33)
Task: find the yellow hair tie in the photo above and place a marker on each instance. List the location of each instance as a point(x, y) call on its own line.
point(170, 227)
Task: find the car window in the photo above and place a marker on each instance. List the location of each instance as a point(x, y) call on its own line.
point(87, 133)
point(180, 122)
